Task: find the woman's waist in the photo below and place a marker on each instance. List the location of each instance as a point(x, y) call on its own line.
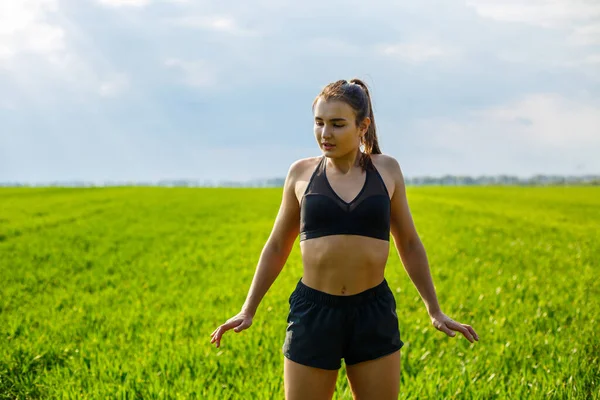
point(342, 277)
point(344, 283)
point(343, 264)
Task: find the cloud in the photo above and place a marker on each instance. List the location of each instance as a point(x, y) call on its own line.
point(564, 45)
point(592, 59)
point(589, 60)
point(113, 87)
point(535, 134)
point(415, 53)
point(584, 66)
point(25, 29)
point(552, 120)
point(124, 3)
point(587, 35)
point(196, 73)
point(67, 66)
point(544, 13)
point(216, 23)
point(44, 55)
point(575, 25)
point(7, 104)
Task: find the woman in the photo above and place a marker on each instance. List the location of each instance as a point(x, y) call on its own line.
point(344, 205)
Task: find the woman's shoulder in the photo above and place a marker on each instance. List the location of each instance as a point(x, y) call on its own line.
point(387, 163)
point(389, 170)
point(302, 166)
point(299, 174)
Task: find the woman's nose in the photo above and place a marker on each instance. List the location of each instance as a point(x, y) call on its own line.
point(327, 131)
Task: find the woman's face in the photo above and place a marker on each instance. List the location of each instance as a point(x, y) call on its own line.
point(335, 127)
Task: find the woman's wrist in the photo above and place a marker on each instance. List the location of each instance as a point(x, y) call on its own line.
point(248, 311)
point(433, 310)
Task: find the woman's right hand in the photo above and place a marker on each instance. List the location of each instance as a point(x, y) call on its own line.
point(238, 323)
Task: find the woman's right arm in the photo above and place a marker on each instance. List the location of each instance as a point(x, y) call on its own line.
point(273, 256)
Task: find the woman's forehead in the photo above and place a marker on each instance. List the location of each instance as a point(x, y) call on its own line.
point(327, 109)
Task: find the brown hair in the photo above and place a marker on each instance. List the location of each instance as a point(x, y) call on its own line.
point(356, 94)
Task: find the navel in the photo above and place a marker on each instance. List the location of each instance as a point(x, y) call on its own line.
point(343, 289)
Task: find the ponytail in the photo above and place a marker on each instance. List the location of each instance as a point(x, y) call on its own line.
point(370, 138)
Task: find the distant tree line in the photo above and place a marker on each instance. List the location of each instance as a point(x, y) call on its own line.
point(536, 180)
point(446, 180)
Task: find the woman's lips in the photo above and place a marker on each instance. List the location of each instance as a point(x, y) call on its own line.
point(328, 146)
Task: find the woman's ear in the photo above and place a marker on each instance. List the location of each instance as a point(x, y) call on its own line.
point(364, 126)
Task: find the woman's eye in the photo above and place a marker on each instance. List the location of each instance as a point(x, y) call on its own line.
point(334, 125)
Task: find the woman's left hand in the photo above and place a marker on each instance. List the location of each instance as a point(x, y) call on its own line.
point(444, 323)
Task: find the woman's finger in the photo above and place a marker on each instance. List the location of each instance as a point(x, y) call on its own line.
point(216, 338)
point(227, 326)
point(219, 336)
point(218, 333)
point(442, 327)
point(238, 323)
point(460, 328)
point(475, 335)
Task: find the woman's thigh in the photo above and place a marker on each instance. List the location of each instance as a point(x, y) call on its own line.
point(376, 379)
point(303, 382)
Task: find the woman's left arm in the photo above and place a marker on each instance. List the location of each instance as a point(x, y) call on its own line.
point(414, 258)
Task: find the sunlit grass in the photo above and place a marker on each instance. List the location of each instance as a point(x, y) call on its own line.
point(113, 293)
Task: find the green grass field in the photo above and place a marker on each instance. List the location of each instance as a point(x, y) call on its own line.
point(113, 293)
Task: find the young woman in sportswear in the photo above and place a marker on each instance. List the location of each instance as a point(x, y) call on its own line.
point(344, 205)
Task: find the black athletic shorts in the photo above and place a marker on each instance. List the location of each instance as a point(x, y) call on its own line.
point(324, 328)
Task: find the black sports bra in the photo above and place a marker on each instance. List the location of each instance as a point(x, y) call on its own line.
point(323, 212)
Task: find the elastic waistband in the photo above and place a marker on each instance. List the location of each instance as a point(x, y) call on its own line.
point(319, 297)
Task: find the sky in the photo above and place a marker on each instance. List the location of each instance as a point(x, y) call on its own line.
point(147, 90)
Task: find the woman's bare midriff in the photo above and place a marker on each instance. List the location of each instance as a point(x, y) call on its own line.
point(343, 264)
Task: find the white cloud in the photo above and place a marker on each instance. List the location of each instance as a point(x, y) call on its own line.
point(537, 133)
point(588, 66)
point(124, 3)
point(217, 23)
point(7, 104)
point(61, 58)
point(329, 46)
point(572, 27)
point(418, 51)
point(36, 54)
point(24, 28)
point(578, 19)
point(549, 119)
point(113, 87)
point(587, 35)
point(592, 59)
point(545, 13)
point(197, 73)
point(411, 52)
point(540, 120)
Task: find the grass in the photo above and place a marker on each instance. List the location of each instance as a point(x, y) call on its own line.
point(113, 293)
